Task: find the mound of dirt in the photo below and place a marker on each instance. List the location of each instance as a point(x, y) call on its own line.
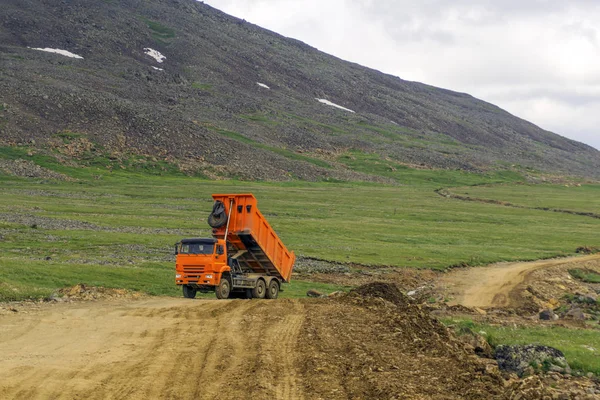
point(385, 291)
point(84, 292)
point(375, 343)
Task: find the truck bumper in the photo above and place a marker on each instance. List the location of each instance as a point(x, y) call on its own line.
point(199, 280)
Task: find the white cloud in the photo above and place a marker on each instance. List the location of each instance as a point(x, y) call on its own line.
point(538, 59)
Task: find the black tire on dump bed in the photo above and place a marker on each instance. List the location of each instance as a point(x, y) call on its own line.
point(189, 292)
point(217, 217)
point(273, 289)
point(224, 289)
point(260, 290)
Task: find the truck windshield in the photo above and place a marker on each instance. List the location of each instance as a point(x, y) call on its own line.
point(197, 248)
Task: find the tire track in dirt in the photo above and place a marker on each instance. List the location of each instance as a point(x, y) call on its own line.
point(161, 348)
point(226, 352)
point(496, 285)
point(287, 387)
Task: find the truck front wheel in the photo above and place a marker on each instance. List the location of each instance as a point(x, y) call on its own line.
point(259, 290)
point(273, 289)
point(189, 292)
point(224, 289)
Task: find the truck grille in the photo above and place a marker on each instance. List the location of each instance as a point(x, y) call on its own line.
point(193, 272)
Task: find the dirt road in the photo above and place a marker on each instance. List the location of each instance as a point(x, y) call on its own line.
point(164, 348)
point(372, 344)
point(152, 349)
point(492, 286)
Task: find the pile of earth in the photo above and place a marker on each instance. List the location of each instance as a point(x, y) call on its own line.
point(377, 343)
point(84, 292)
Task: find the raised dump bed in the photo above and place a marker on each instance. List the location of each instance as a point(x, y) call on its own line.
point(250, 231)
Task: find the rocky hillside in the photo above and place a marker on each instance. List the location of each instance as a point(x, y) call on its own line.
point(179, 81)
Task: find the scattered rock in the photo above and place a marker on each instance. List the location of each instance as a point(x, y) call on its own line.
point(305, 265)
point(477, 342)
point(587, 250)
point(315, 293)
point(548, 315)
point(590, 298)
point(520, 358)
point(29, 169)
point(480, 311)
point(575, 314)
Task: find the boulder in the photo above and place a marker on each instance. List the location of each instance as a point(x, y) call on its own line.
point(477, 342)
point(480, 311)
point(575, 314)
point(548, 315)
point(590, 298)
point(520, 358)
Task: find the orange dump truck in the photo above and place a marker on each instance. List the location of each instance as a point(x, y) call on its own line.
point(244, 255)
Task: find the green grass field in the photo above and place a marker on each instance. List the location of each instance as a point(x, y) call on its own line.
point(584, 198)
point(116, 227)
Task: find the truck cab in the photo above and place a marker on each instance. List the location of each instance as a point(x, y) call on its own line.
point(199, 264)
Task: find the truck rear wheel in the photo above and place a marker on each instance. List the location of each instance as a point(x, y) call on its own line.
point(189, 292)
point(259, 290)
point(224, 289)
point(273, 289)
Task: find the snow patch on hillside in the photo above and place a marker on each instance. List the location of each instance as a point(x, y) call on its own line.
point(154, 54)
point(329, 103)
point(158, 69)
point(262, 85)
point(58, 51)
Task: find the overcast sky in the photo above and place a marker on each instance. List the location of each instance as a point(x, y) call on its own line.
point(537, 59)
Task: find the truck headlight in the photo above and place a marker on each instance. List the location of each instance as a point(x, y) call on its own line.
point(177, 276)
point(209, 276)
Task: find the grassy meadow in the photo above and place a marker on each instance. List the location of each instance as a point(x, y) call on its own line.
point(116, 226)
point(584, 198)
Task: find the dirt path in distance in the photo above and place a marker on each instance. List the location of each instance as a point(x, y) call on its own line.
point(492, 286)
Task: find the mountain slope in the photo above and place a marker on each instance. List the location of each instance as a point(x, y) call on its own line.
point(203, 108)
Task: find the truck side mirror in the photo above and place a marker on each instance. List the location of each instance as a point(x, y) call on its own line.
point(176, 252)
point(220, 250)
